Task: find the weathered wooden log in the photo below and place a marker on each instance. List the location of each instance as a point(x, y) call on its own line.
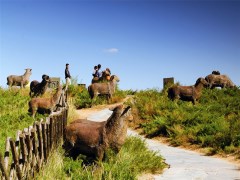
point(15, 158)
point(44, 140)
point(3, 169)
point(40, 147)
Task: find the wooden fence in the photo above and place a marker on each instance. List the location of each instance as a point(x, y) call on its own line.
point(24, 157)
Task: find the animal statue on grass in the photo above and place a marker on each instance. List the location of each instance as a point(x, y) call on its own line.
point(39, 88)
point(22, 81)
point(219, 80)
point(104, 88)
point(188, 93)
point(44, 104)
point(93, 139)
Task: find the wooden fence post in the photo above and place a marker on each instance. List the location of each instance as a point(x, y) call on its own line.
point(44, 140)
point(3, 169)
point(23, 148)
point(56, 129)
point(29, 146)
point(34, 150)
point(40, 146)
point(51, 132)
point(15, 158)
point(6, 154)
point(48, 136)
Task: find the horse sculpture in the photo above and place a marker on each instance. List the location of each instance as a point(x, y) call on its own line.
point(22, 81)
point(93, 139)
point(104, 88)
point(188, 93)
point(218, 80)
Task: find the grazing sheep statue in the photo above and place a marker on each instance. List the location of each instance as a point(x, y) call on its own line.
point(22, 81)
point(104, 88)
point(93, 139)
point(37, 89)
point(43, 104)
point(217, 80)
point(188, 93)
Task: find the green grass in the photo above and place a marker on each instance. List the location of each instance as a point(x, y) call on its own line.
point(14, 113)
point(133, 160)
point(213, 122)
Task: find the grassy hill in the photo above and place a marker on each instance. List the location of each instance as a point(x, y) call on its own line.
point(212, 123)
point(128, 164)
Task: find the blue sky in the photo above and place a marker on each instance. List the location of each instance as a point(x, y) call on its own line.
point(140, 41)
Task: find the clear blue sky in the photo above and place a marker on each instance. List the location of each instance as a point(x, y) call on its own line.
point(140, 41)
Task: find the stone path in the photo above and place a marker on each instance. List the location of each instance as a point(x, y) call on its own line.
point(189, 165)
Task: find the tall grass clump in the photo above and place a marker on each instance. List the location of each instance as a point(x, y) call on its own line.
point(54, 168)
point(213, 122)
point(133, 159)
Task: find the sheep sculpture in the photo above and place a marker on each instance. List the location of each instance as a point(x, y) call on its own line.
point(93, 139)
point(44, 104)
point(104, 88)
point(188, 93)
point(38, 89)
point(219, 80)
point(22, 81)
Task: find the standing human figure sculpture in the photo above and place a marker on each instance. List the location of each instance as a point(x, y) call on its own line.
point(95, 72)
point(108, 74)
point(99, 70)
point(67, 76)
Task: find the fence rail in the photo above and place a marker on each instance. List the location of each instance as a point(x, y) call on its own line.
point(24, 157)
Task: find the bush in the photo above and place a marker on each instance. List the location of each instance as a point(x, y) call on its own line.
point(82, 99)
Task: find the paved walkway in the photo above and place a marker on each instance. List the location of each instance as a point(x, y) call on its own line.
point(189, 165)
point(184, 164)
